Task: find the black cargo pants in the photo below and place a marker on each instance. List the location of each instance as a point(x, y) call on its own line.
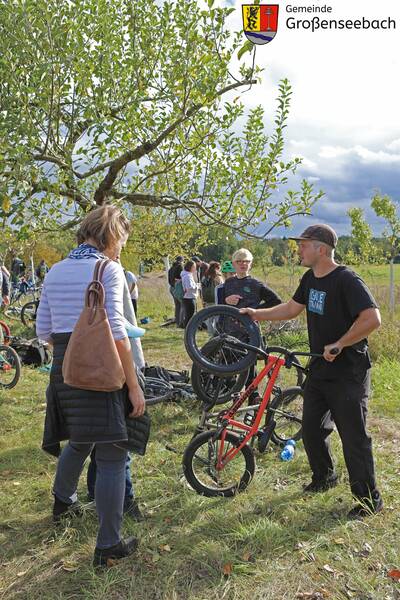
point(342, 402)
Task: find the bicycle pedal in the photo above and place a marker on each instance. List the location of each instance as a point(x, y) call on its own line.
point(265, 436)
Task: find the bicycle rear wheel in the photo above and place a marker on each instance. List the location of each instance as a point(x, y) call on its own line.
point(10, 367)
point(223, 355)
point(200, 461)
point(287, 410)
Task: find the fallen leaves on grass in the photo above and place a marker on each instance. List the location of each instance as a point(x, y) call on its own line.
point(227, 569)
point(339, 541)
point(246, 556)
point(165, 548)
point(70, 566)
point(328, 569)
point(394, 574)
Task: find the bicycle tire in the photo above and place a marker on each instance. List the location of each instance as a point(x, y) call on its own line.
point(6, 333)
point(204, 384)
point(247, 328)
point(189, 471)
point(13, 357)
point(280, 403)
point(24, 312)
point(230, 385)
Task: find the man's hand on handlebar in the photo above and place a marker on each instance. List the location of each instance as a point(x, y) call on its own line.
point(252, 312)
point(331, 351)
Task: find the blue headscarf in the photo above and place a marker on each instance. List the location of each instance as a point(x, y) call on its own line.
point(86, 251)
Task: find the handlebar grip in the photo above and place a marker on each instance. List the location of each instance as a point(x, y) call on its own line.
point(334, 351)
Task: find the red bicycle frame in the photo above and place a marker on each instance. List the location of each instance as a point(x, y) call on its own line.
point(271, 369)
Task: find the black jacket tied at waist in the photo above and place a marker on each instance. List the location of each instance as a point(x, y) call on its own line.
point(84, 416)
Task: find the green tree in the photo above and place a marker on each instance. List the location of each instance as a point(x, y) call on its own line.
point(386, 208)
point(364, 250)
point(134, 102)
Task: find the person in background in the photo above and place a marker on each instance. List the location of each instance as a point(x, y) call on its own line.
point(4, 287)
point(174, 275)
point(17, 269)
point(190, 290)
point(244, 291)
point(131, 506)
point(228, 271)
point(211, 280)
point(201, 269)
point(133, 288)
point(41, 270)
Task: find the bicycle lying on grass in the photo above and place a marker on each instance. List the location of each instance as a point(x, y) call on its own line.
point(10, 364)
point(208, 462)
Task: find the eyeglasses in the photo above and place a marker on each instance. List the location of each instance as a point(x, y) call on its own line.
point(247, 261)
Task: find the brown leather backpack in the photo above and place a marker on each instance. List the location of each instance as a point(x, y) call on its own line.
point(91, 361)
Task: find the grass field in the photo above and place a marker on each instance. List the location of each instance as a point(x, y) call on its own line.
point(269, 542)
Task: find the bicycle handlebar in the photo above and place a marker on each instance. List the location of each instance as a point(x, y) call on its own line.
point(289, 355)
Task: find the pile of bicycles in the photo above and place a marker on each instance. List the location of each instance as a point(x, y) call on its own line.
point(10, 364)
point(24, 302)
point(219, 460)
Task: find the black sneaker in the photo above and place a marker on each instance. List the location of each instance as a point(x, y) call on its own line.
point(62, 510)
point(131, 509)
point(366, 507)
point(320, 485)
point(121, 550)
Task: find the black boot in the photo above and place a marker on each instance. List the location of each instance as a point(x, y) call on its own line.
point(62, 510)
point(121, 550)
point(366, 507)
point(321, 485)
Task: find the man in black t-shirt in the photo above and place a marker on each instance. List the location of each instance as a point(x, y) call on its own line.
point(341, 313)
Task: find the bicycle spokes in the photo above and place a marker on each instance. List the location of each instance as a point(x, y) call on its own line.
point(209, 471)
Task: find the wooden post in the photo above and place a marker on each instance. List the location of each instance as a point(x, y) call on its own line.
point(392, 290)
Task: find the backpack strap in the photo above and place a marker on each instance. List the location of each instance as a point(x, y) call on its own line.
point(95, 293)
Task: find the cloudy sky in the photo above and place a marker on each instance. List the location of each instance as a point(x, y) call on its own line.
point(345, 115)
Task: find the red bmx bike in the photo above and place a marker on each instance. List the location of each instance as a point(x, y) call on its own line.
point(220, 460)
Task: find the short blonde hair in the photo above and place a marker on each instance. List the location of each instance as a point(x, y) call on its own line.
point(242, 254)
point(104, 225)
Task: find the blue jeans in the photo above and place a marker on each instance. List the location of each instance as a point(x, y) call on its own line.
point(109, 488)
point(91, 478)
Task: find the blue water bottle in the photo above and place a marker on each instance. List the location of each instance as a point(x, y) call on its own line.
point(288, 451)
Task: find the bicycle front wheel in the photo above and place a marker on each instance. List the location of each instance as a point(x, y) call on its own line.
point(200, 465)
point(10, 367)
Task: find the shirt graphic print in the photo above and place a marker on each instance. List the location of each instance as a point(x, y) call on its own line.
point(316, 301)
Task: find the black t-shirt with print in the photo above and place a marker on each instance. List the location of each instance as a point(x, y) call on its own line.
point(333, 303)
point(255, 294)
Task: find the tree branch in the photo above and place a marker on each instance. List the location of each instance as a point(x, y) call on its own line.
point(114, 166)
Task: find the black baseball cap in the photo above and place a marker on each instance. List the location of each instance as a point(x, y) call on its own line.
point(319, 233)
point(196, 259)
